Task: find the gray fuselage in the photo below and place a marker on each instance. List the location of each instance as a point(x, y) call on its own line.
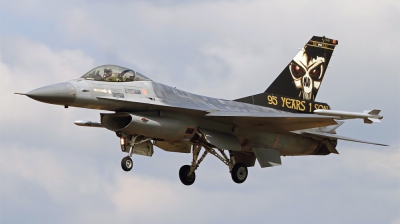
point(149, 96)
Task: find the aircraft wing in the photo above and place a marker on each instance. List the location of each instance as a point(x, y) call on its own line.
point(333, 136)
point(275, 122)
point(261, 121)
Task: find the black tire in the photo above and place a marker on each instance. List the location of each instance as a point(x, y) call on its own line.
point(239, 173)
point(126, 164)
point(183, 175)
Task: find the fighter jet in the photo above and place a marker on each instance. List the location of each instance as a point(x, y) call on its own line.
point(284, 120)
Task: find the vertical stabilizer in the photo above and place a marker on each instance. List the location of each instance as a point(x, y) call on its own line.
point(302, 77)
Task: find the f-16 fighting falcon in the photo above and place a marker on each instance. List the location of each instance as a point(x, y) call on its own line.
point(285, 120)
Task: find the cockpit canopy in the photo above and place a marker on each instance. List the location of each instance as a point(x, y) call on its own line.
point(114, 73)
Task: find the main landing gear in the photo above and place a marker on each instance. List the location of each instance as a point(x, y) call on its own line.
point(187, 172)
point(186, 179)
point(239, 173)
point(142, 146)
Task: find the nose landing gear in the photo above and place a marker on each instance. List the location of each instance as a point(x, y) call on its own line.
point(143, 147)
point(126, 163)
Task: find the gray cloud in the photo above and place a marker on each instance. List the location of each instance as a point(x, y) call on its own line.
point(52, 170)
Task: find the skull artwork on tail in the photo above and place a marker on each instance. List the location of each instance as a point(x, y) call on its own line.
point(307, 73)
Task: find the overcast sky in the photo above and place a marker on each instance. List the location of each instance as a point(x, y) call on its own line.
point(53, 171)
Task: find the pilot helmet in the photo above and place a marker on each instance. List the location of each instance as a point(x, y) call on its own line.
point(107, 72)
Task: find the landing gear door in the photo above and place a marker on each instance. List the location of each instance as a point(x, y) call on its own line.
point(144, 149)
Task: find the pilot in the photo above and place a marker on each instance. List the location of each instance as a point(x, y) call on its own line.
point(108, 76)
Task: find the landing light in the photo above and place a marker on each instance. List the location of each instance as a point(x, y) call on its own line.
point(122, 141)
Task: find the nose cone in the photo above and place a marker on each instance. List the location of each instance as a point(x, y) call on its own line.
point(61, 93)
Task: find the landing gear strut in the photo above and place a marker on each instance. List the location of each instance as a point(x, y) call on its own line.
point(130, 142)
point(187, 172)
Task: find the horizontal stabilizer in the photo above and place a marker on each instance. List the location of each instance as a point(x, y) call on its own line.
point(334, 136)
point(332, 128)
point(89, 124)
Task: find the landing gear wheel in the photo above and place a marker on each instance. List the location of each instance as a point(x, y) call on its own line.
point(239, 173)
point(183, 175)
point(126, 163)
